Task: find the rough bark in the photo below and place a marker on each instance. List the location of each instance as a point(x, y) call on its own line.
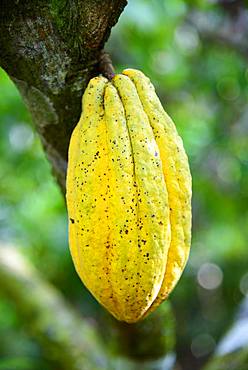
point(51, 49)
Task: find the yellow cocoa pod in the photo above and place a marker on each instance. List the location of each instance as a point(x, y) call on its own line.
point(128, 196)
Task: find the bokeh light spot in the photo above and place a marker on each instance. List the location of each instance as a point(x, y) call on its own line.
point(187, 39)
point(209, 276)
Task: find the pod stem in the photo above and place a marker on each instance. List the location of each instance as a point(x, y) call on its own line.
point(106, 66)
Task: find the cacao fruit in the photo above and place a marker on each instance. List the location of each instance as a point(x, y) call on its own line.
point(128, 196)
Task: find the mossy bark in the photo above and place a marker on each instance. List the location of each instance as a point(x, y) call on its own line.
point(51, 49)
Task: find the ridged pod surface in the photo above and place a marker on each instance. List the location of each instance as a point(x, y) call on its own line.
point(128, 196)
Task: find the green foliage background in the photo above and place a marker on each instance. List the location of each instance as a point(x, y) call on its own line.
point(203, 86)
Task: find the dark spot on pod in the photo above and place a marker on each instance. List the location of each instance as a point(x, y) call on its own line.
point(72, 220)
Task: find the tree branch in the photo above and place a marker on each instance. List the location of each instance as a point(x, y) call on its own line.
point(51, 49)
point(71, 342)
point(232, 351)
point(66, 339)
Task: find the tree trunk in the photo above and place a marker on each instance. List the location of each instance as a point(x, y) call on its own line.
point(50, 49)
